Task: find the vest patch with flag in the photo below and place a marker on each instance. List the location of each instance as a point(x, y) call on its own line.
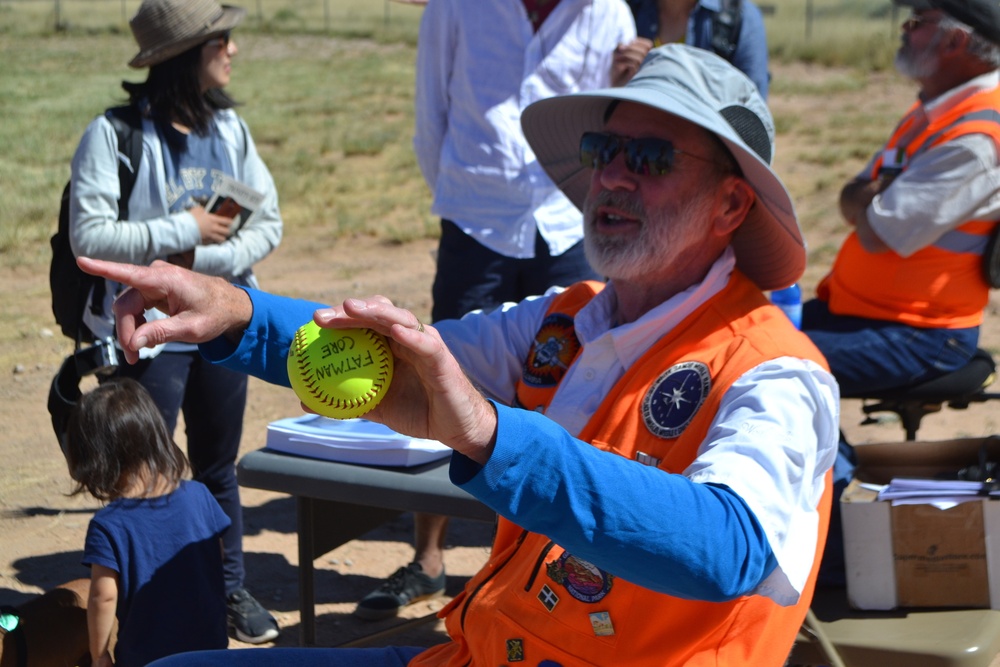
point(673, 399)
point(551, 353)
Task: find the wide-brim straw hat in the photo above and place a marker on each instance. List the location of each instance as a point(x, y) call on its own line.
point(702, 88)
point(167, 28)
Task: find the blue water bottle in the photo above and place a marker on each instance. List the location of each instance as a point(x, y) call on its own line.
point(790, 301)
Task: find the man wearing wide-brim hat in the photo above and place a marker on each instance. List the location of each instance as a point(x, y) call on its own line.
point(658, 446)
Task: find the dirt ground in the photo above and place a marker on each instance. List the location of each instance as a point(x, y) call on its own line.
point(42, 529)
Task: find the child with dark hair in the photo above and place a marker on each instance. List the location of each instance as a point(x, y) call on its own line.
point(155, 549)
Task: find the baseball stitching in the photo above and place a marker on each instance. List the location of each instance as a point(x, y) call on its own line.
point(307, 374)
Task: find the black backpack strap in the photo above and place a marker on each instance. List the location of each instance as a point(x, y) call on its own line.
point(127, 122)
point(726, 25)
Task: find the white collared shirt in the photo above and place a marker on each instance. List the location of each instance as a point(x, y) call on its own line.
point(943, 187)
point(479, 64)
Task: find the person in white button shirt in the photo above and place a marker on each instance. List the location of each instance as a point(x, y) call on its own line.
point(507, 232)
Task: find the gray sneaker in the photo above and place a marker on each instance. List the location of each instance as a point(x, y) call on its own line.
point(251, 623)
point(405, 586)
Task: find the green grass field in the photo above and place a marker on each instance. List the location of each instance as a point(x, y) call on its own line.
point(327, 89)
point(333, 119)
point(855, 33)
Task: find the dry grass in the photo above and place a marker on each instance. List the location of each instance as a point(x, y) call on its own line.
point(333, 119)
point(328, 92)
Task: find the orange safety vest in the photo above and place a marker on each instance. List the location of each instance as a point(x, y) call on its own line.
point(536, 603)
point(941, 286)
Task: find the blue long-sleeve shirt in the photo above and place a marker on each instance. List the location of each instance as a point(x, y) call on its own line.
point(709, 544)
point(551, 483)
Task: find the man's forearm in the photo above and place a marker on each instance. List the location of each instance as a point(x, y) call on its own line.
point(637, 522)
point(240, 312)
point(259, 346)
point(855, 199)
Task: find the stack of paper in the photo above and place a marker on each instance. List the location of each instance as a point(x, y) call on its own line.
point(938, 492)
point(351, 441)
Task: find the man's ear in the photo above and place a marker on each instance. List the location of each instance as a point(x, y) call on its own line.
point(735, 199)
point(956, 43)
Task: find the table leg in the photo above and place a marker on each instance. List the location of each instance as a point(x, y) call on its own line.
point(307, 591)
point(324, 525)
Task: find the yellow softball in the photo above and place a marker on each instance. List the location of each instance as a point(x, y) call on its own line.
point(341, 373)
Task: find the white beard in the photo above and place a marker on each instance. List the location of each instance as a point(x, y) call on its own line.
point(663, 235)
point(918, 64)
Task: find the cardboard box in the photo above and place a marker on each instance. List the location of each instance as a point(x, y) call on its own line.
point(919, 555)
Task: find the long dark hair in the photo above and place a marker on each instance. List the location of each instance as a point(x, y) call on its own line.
point(173, 91)
point(116, 436)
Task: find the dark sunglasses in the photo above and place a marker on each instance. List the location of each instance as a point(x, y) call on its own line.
point(221, 41)
point(915, 21)
point(645, 156)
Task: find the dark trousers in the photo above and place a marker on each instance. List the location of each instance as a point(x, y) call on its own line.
point(212, 399)
point(470, 276)
point(868, 355)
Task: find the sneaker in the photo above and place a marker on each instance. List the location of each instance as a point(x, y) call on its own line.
point(406, 585)
point(251, 623)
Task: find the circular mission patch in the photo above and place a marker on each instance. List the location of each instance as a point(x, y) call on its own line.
point(673, 399)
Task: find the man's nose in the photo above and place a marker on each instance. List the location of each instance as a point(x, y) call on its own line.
point(616, 176)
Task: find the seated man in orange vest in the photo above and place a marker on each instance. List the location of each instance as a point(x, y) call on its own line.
point(905, 297)
point(658, 448)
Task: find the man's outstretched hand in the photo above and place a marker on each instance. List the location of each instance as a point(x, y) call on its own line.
point(430, 395)
point(200, 307)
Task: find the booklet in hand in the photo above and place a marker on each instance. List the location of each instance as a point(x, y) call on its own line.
point(233, 199)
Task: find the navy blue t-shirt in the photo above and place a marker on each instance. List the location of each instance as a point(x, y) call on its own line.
point(168, 557)
point(190, 162)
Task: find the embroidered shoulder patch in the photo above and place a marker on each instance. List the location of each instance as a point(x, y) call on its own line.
point(551, 353)
point(673, 399)
point(584, 581)
point(515, 650)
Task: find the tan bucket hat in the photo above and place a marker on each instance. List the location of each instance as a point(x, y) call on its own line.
point(698, 86)
point(167, 28)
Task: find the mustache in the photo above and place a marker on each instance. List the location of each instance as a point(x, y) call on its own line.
point(629, 204)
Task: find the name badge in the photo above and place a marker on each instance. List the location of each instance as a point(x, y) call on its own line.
point(893, 160)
